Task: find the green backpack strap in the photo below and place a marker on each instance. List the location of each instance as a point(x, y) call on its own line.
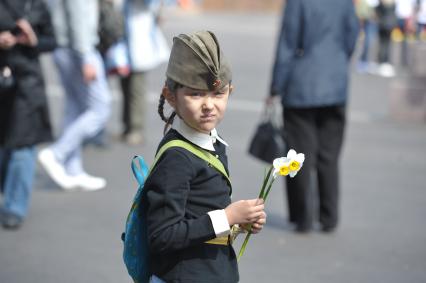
point(203, 154)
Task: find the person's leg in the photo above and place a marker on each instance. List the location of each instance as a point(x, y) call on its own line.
point(404, 46)
point(95, 95)
point(138, 94)
point(366, 43)
point(88, 124)
point(331, 124)
point(125, 112)
point(69, 69)
point(155, 279)
point(54, 157)
point(134, 92)
point(386, 47)
point(382, 48)
point(299, 125)
point(18, 185)
point(420, 30)
point(4, 159)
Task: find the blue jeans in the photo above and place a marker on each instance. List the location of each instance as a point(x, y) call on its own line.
point(18, 166)
point(87, 107)
point(155, 279)
point(370, 31)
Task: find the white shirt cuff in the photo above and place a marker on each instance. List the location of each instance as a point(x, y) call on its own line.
point(220, 222)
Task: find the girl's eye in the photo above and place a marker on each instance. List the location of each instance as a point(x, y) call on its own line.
point(196, 94)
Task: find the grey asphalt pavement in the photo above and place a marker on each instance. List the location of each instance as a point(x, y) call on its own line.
point(75, 237)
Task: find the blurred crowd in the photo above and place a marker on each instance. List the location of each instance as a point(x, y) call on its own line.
point(398, 21)
point(89, 40)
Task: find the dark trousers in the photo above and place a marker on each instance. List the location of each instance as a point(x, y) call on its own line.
point(134, 104)
point(384, 46)
point(318, 133)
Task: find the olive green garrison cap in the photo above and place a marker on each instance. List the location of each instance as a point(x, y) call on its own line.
point(196, 61)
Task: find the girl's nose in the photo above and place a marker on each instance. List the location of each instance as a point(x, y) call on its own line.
point(207, 103)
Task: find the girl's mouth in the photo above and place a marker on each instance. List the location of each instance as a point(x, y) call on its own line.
point(207, 117)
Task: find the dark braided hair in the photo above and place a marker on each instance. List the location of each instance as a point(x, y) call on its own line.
point(173, 87)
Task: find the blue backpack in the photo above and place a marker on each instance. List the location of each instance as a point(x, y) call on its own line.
point(135, 237)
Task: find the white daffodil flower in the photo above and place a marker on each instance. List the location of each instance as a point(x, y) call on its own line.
point(289, 165)
point(281, 166)
point(296, 162)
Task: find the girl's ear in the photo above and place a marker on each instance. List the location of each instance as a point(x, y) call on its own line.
point(169, 96)
point(231, 88)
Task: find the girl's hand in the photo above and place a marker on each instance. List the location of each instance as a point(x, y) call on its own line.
point(257, 226)
point(7, 40)
point(245, 211)
point(27, 35)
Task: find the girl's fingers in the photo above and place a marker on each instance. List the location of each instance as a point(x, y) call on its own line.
point(256, 228)
point(254, 217)
point(256, 201)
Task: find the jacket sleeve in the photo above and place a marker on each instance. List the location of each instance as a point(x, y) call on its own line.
point(83, 22)
point(352, 28)
point(288, 43)
point(167, 190)
point(42, 24)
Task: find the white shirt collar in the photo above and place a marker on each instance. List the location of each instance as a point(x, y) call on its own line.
point(203, 140)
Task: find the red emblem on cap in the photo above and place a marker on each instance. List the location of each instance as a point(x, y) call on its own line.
point(216, 83)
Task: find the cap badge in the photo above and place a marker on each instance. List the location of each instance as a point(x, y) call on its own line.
point(217, 83)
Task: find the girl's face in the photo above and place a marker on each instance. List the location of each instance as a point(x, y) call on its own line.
point(201, 110)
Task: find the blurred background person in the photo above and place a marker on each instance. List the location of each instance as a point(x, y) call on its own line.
point(310, 73)
point(387, 21)
point(146, 48)
point(404, 10)
point(110, 33)
point(421, 20)
point(365, 10)
point(25, 32)
point(87, 97)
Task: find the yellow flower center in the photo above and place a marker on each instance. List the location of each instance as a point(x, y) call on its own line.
point(284, 170)
point(294, 165)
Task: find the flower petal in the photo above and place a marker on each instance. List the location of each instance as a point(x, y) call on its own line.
point(275, 173)
point(280, 162)
point(300, 157)
point(292, 173)
point(291, 154)
point(277, 162)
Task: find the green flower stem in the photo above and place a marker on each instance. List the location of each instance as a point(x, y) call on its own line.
point(265, 182)
point(243, 247)
point(268, 189)
point(266, 185)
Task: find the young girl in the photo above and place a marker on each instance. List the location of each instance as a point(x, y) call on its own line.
point(188, 202)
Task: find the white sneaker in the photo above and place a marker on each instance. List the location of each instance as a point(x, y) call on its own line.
point(89, 183)
point(386, 70)
point(55, 169)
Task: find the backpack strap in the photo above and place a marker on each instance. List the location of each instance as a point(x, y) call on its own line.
point(141, 172)
point(200, 153)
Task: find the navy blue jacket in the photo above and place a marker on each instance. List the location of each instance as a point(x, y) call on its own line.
point(316, 42)
point(180, 190)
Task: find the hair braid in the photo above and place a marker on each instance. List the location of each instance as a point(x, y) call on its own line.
point(161, 102)
point(173, 87)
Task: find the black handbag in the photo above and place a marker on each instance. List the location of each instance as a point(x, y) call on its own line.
point(268, 142)
point(7, 81)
